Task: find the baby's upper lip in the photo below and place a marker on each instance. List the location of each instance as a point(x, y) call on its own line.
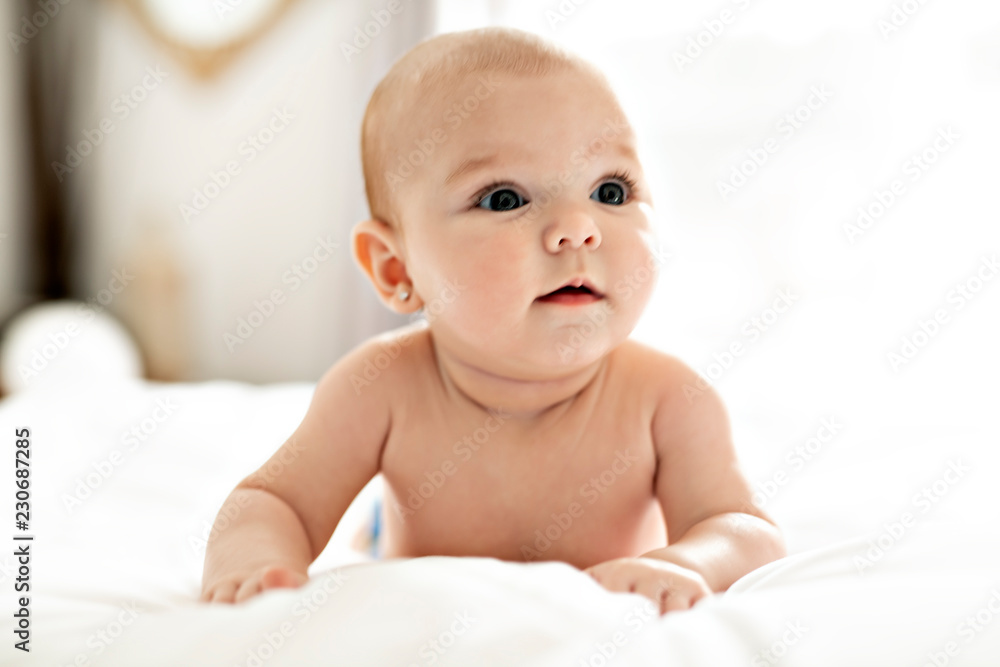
point(579, 281)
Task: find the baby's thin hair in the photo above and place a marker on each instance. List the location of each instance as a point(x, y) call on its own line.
point(427, 68)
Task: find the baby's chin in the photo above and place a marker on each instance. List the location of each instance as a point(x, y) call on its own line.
point(542, 357)
point(581, 344)
point(542, 369)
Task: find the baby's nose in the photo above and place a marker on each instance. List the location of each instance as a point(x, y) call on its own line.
point(572, 231)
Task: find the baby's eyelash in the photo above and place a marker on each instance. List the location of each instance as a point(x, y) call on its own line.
point(622, 175)
point(625, 177)
point(496, 185)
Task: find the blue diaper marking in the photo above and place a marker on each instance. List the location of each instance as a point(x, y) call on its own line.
point(374, 549)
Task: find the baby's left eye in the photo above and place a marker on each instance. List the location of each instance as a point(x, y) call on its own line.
point(501, 199)
point(609, 193)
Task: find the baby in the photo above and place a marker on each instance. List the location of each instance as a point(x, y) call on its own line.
point(518, 421)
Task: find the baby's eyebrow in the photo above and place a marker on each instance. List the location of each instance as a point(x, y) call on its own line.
point(624, 149)
point(627, 151)
point(470, 165)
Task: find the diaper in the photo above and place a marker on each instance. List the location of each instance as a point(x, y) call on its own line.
point(368, 537)
point(375, 533)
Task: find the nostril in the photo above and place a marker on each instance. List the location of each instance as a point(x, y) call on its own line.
point(570, 236)
point(566, 241)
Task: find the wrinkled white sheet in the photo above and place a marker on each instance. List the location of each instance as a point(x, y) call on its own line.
point(813, 609)
point(116, 575)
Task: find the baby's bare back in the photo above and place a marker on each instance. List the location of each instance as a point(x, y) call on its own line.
point(575, 484)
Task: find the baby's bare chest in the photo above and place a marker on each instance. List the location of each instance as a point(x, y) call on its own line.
point(579, 489)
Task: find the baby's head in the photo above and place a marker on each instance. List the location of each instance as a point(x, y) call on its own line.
point(507, 201)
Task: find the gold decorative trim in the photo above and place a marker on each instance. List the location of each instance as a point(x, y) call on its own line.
point(205, 63)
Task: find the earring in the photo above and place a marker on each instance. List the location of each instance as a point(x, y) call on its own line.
point(404, 294)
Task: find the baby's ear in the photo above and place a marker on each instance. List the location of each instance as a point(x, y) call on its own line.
point(377, 251)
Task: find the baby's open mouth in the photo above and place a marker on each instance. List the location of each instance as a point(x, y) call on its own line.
point(572, 294)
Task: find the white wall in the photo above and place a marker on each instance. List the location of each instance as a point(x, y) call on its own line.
point(785, 227)
point(829, 354)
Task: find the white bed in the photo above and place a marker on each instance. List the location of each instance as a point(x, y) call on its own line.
point(126, 561)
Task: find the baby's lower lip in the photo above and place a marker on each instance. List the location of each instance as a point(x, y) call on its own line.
point(569, 299)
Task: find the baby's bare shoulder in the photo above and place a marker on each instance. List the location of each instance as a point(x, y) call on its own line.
point(653, 370)
point(354, 399)
point(677, 393)
point(385, 361)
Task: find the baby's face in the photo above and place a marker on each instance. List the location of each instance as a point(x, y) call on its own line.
point(537, 189)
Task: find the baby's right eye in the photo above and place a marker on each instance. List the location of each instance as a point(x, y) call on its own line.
point(502, 199)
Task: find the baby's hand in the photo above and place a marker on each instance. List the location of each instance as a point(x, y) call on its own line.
point(241, 588)
point(670, 586)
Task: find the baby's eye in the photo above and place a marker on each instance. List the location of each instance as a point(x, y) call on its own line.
point(503, 199)
point(609, 193)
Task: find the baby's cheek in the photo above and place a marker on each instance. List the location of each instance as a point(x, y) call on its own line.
point(482, 307)
point(637, 275)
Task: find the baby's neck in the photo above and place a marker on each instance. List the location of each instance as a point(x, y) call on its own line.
point(522, 399)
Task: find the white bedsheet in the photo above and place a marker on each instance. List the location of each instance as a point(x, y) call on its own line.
point(115, 577)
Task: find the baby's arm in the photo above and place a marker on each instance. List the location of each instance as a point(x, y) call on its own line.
point(713, 526)
point(716, 534)
point(278, 519)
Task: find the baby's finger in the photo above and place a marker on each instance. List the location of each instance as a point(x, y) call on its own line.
point(617, 583)
point(611, 573)
point(675, 601)
point(248, 589)
point(655, 590)
point(617, 579)
point(224, 592)
point(281, 577)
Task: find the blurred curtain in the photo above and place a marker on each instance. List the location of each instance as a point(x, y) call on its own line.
point(209, 228)
point(46, 58)
point(12, 177)
point(57, 62)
